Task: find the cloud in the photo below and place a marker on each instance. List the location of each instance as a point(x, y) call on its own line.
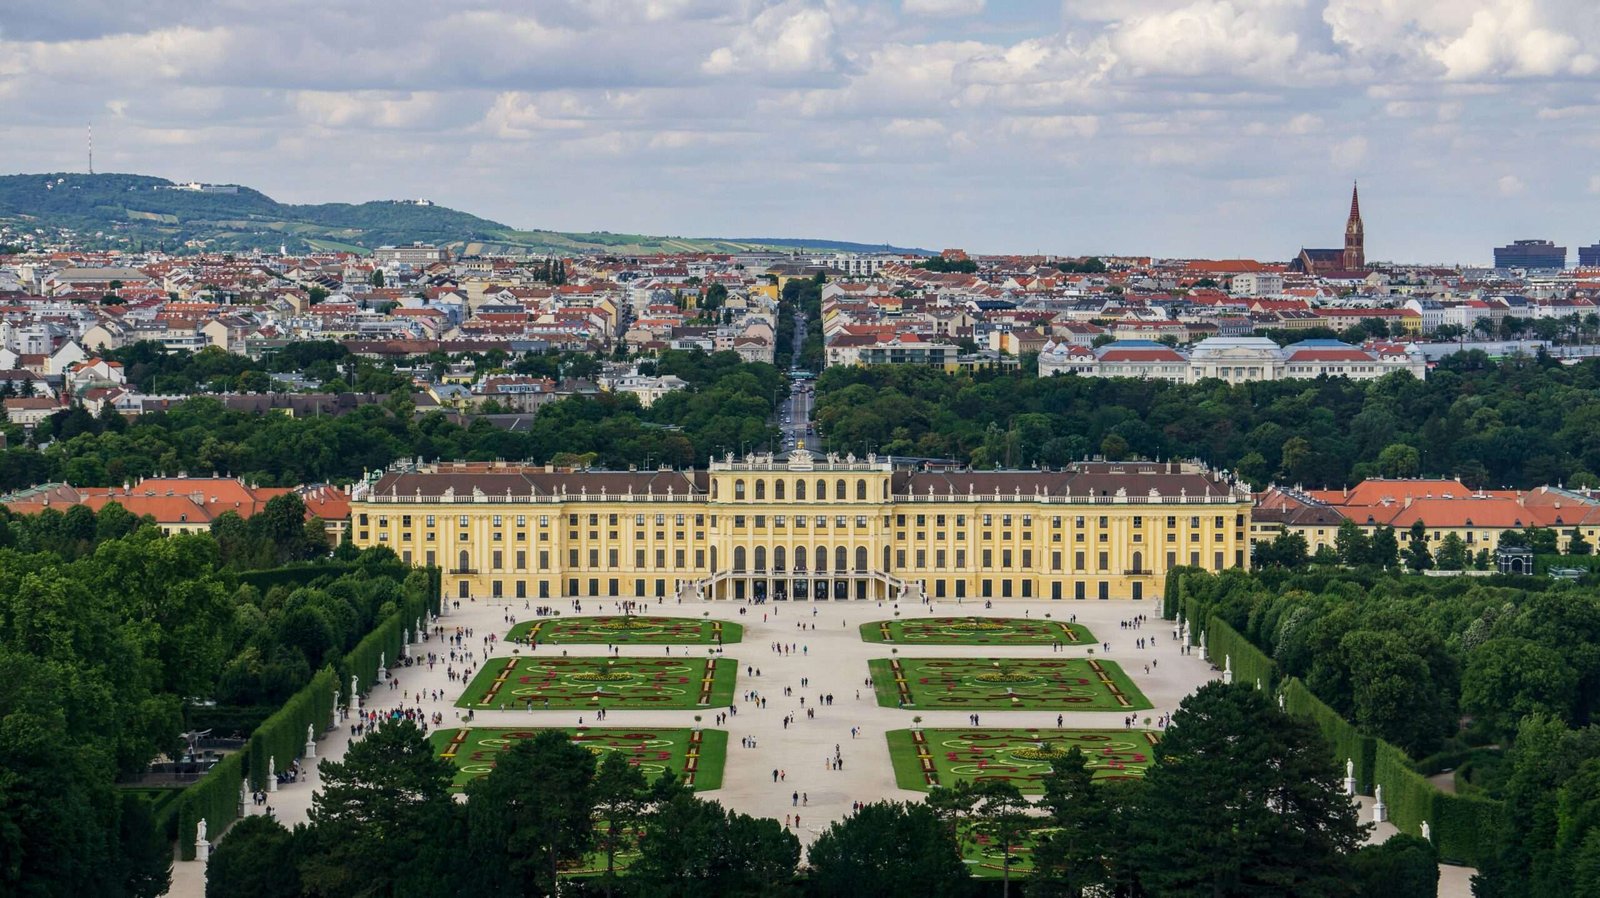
point(942, 8)
point(787, 40)
point(1510, 185)
point(1349, 153)
point(670, 115)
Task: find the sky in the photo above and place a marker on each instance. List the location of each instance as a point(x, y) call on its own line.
point(1177, 128)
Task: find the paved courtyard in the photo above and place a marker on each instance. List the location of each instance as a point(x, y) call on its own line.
point(823, 655)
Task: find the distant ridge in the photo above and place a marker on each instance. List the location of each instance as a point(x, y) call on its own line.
point(110, 211)
point(843, 246)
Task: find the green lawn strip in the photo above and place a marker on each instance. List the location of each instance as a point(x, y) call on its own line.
point(1016, 755)
point(1017, 684)
point(976, 631)
point(653, 749)
point(592, 683)
point(629, 630)
point(713, 758)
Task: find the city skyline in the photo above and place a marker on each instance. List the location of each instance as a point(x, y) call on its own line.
point(1206, 129)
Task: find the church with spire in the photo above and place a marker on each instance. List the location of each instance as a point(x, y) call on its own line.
point(1349, 263)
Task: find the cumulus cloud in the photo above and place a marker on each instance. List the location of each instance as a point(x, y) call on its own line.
point(668, 115)
point(788, 39)
point(942, 8)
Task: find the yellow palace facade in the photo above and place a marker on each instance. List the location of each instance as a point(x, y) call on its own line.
point(803, 527)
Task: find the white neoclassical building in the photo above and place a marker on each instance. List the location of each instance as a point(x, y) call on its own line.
point(1233, 360)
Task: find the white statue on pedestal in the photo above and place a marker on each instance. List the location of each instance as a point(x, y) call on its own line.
point(1427, 833)
point(1349, 777)
point(1380, 811)
point(311, 741)
point(383, 672)
point(202, 846)
point(272, 774)
point(1227, 669)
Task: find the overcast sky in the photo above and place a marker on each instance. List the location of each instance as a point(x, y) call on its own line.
point(1172, 127)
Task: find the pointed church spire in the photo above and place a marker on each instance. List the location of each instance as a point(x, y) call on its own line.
point(1355, 237)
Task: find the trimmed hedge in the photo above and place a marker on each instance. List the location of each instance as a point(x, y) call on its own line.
point(1173, 593)
point(215, 799)
point(1249, 663)
point(383, 642)
point(1464, 828)
point(1348, 743)
point(282, 737)
point(306, 574)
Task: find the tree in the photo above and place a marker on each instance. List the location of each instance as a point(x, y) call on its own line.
point(1351, 542)
point(1418, 558)
point(377, 277)
point(1003, 812)
point(715, 296)
point(1452, 554)
point(1402, 866)
point(1576, 544)
point(532, 812)
point(1509, 678)
point(379, 815)
point(1385, 548)
point(1399, 460)
point(620, 798)
point(1287, 549)
point(887, 849)
point(146, 854)
point(1227, 813)
point(1073, 855)
point(258, 859)
point(692, 848)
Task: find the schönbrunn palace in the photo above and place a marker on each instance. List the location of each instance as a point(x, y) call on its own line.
point(806, 527)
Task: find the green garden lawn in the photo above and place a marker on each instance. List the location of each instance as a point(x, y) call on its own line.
point(1014, 684)
point(697, 758)
point(625, 630)
point(976, 631)
point(943, 757)
point(567, 684)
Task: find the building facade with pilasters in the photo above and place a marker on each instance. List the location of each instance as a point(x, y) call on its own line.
point(804, 527)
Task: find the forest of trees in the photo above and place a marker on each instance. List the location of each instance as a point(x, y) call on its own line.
point(1515, 423)
point(727, 408)
point(115, 639)
point(1497, 679)
point(1213, 817)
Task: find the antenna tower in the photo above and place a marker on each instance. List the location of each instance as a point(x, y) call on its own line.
point(91, 149)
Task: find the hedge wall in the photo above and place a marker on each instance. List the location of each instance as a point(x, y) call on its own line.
point(1348, 743)
point(1249, 663)
point(1464, 828)
point(304, 574)
point(384, 641)
point(282, 737)
point(215, 799)
point(1173, 592)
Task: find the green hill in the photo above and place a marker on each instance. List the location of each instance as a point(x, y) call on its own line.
point(111, 210)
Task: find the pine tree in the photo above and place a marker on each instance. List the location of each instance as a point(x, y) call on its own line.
point(1243, 800)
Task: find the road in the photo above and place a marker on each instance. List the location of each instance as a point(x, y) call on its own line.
point(794, 413)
